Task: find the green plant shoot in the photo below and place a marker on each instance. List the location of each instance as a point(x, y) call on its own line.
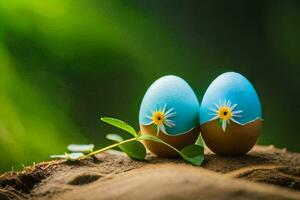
point(133, 147)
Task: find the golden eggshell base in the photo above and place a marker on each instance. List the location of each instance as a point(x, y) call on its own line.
point(178, 142)
point(236, 140)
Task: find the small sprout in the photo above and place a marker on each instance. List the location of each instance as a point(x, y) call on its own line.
point(84, 148)
point(133, 147)
point(69, 156)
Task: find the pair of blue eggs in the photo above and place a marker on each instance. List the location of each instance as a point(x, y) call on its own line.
point(171, 107)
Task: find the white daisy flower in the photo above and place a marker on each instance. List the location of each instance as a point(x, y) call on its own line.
point(226, 113)
point(161, 118)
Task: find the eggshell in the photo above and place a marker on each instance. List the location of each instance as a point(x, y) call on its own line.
point(242, 130)
point(237, 141)
point(180, 104)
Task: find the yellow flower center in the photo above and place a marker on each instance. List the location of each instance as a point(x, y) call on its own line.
point(158, 118)
point(224, 113)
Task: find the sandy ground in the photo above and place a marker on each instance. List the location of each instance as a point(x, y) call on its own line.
point(265, 173)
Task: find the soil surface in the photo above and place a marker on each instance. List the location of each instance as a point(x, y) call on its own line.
point(265, 173)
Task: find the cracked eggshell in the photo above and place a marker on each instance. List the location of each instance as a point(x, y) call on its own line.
point(175, 99)
point(233, 90)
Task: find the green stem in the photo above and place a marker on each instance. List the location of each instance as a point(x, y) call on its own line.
point(161, 141)
point(107, 148)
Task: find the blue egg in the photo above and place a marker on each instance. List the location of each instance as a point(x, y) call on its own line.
point(234, 91)
point(171, 106)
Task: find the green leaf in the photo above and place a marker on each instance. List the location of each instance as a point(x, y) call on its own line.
point(152, 138)
point(69, 156)
point(84, 148)
point(74, 156)
point(200, 141)
point(193, 154)
point(114, 137)
point(120, 124)
point(134, 150)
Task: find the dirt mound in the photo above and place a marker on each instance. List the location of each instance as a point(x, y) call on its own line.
point(265, 173)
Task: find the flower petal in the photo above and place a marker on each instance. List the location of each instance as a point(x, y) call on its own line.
point(163, 129)
point(229, 103)
point(158, 129)
point(234, 121)
point(217, 106)
point(214, 110)
point(233, 106)
point(237, 112)
point(169, 123)
point(168, 111)
point(170, 115)
point(164, 108)
point(215, 117)
point(234, 115)
point(149, 117)
point(224, 125)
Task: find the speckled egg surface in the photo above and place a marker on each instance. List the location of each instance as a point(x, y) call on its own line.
point(230, 115)
point(170, 110)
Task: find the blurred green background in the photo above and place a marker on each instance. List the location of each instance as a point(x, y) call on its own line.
point(64, 63)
